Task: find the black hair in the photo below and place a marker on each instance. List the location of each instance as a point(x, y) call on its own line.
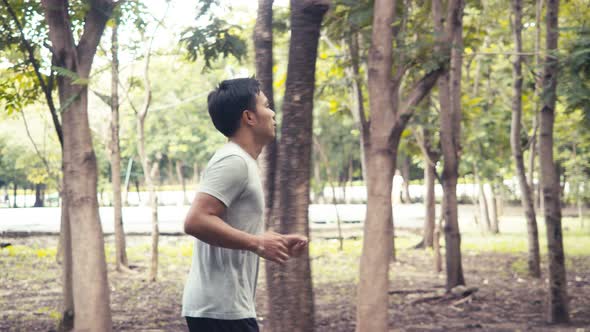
point(229, 100)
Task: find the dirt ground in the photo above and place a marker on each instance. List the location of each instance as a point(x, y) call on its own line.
point(506, 299)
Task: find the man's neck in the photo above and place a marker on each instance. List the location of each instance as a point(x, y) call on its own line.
point(248, 144)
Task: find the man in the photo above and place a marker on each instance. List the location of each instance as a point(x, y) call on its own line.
point(226, 216)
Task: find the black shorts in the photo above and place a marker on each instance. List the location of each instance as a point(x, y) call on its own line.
point(199, 324)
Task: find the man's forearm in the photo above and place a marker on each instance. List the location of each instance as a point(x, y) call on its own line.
point(213, 230)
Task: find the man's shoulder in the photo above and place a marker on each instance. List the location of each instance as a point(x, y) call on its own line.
point(228, 153)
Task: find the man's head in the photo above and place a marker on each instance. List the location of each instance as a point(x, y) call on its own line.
point(239, 103)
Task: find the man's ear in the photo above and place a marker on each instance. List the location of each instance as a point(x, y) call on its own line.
point(249, 117)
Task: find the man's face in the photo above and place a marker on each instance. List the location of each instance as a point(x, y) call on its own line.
point(265, 127)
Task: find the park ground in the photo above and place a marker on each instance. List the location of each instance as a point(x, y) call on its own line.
point(506, 298)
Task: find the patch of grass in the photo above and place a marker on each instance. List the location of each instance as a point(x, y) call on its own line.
point(575, 240)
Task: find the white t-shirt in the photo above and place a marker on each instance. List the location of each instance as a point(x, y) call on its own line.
point(222, 282)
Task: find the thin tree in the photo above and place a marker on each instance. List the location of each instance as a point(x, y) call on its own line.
point(120, 251)
point(431, 157)
point(263, 43)
point(449, 90)
point(533, 140)
point(91, 295)
point(558, 309)
point(289, 286)
point(147, 171)
point(534, 261)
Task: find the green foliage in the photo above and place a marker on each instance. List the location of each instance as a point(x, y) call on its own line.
point(213, 41)
point(574, 82)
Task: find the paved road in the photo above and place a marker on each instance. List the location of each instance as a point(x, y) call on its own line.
point(137, 219)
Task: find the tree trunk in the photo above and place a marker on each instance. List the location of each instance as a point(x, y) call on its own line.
point(120, 247)
point(181, 180)
point(136, 182)
point(357, 97)
point(141, 116)
point(91, 295)
point(289, 286)
point(449, 85)
point(331, 180)
point(558, 311)
point(263, 42)
point(482, 201)
point(429, 204)
point(526, 198)
point(152, 197)
point(66, 322)
point(534, 147)
point(405, 170)
point(437, 255)
point(39, 197)
point(14, 188)
point(372, 298)
point(126, 185)
point(578, 191)
point(493, 204)
point(388, 118)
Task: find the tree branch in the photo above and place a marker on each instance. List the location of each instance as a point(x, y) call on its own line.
point(47, 88)
point(354, 58)
point(146, 79)
point(418, 92)
point(94, 24)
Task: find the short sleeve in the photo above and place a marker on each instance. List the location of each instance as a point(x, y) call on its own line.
point(225, 179)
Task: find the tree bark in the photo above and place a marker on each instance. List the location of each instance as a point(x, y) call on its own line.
point(558, 308)
point(534, 147)
point(493, 204)
point(358, 101)
point(331, 180)
point(181, 180)
point(429, 204)
point(263, 42)
point(39, 195)
point(289, 286)
point(449, 85)
point(66, 322)
point(14, 188)
point(534, 261)
point(91, 295)
point(388, 118)
point(405, 170)
point(484, 212)
point(430, 156)
point(147, 172)
point(120, 247)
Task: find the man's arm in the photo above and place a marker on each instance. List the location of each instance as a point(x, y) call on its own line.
point(204, 222)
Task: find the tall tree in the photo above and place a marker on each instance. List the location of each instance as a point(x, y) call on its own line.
point(148, 172)
point(17, 35)
point(534, 263)
point(558, 311)
point(431, 155)
point(388, 118)
point(290, 288)
point(263, 45)
point(120, 251)
point(91, 295)
point(449, 90)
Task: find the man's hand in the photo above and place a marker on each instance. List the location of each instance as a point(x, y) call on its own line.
point(273, 247)
point(296, 244)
